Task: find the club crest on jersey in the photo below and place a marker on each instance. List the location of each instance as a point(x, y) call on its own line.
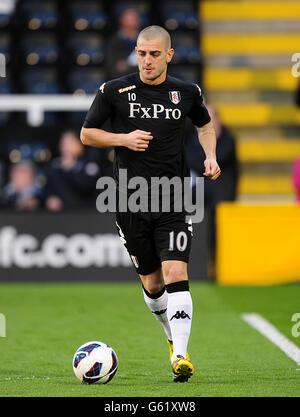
point(175, 96)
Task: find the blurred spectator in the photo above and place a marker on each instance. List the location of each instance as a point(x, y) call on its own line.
point(225, 187)
point(22, 192)
point(296, 178)
point(71, 177)
point(120, 57)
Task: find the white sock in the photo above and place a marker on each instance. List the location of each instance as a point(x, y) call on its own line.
point(180, 312)
point(158, 304)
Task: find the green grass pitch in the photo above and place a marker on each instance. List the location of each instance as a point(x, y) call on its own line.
point(46, 323)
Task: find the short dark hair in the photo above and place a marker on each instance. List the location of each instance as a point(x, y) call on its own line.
point(154, 32)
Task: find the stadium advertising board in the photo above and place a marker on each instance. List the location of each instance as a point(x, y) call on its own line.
point(83, 246)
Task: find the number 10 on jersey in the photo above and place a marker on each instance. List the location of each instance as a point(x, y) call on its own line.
point(131, 96)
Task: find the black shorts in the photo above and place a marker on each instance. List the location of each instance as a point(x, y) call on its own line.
point(151, 238)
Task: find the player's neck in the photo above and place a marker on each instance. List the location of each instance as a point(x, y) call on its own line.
point(156, 81)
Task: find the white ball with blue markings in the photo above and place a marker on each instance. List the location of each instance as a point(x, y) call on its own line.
point(95, 362)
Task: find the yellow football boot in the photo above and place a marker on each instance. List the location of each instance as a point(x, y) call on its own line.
point(183, 369)
point(170, 343)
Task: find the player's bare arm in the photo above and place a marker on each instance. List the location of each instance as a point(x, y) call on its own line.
point(137, 140)
point(207, 139)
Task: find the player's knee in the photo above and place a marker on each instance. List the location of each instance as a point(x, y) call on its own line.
point(154, 282)
point(174, 272)
point(154, 288)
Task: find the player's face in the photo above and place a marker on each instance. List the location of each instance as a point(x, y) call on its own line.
point(153, 58)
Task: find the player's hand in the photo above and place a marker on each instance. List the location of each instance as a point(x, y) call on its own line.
point(212, 169)
point(138, 140)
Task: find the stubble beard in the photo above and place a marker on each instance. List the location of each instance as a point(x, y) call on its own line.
point(153, 77)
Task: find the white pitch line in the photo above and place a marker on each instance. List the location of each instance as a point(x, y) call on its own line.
point(270, 332)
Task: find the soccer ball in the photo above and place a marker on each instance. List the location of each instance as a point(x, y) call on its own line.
point(95, 362)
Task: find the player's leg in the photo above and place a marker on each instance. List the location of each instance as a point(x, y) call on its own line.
point(180, 305)
point(173, 238)
point(180, 312)
point(135, 232)
point(156, 298)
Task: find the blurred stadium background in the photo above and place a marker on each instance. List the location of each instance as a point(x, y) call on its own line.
point(58, 53)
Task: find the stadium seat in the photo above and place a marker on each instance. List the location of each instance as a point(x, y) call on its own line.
point(5, 46)
point(40, 81)
point(42, 49)
point(188, 72)
point(179, 15)
point(142, 7)
point(37, 14)
point(4, 118)
point(88, 14)
point(6, 85)
point(86, 48)
point(85, 80)
point(19, 151)
point(7, 8)
point(186, 47)
point(54, 46)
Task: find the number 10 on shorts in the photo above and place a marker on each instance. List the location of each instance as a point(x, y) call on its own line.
point(180, 241)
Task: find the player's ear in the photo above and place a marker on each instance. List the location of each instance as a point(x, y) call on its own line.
point(170, 54)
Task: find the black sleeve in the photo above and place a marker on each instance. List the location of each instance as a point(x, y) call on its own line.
point(100, 110)
point(198, 113)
